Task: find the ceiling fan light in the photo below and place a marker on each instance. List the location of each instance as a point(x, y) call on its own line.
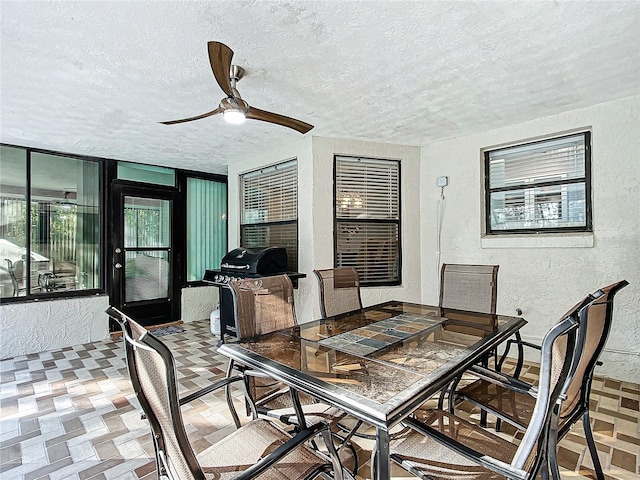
point(235, 117)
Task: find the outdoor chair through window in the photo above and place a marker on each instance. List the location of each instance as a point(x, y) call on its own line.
point(16, 273)
point(444, 446)
point(512, 401)
point(339, 290)
point(257, 450)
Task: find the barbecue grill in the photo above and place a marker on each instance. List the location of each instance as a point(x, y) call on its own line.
point(242, 263)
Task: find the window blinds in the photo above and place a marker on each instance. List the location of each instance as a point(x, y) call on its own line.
point(269, 216)
point(538, 186)
point(367, 213)
point(271, 194)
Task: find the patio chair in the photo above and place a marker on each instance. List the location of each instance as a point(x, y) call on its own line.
point(468, 288)
point(258, 449)
point(263, 306)
point(339, 290)
point(511, 401)
point(444, 446)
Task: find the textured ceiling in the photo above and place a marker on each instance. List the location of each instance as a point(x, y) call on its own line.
point(94, 78)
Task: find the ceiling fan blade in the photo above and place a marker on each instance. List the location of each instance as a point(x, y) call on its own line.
point(220, 58)
point(298, 125)
point(190, 119)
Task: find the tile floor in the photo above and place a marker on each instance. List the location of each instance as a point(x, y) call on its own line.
point(71, 414)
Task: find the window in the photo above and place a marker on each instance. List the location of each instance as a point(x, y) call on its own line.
point(269, 215)
point(539, 187)
point(49, 223)
point(138, 172)
point(206, 226)
point(367, 218)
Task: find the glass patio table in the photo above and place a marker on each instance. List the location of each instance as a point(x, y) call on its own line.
point(379, 363)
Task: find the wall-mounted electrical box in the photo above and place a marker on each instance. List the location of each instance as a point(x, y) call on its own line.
point(442, 181)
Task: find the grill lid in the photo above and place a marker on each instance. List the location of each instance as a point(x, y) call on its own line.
point(255, 260)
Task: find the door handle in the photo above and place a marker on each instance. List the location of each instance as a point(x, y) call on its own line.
point(118, 265)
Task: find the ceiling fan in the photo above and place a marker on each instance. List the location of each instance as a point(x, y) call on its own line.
point(233, 107)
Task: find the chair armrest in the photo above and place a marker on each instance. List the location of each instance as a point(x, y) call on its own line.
point(520, 343)
point(250, 372)
point(503, 380)
point(280, 452)
point(491, 463)
point(211, 388)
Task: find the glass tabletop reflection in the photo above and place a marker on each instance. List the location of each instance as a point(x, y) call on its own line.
point(381, 352)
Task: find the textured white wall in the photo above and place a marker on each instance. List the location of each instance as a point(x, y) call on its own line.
point(47, 325)
point(547, 276)
point(198, 302)
point(315, 213)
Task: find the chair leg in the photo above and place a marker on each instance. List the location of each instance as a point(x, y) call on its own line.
point(544, 471)
point(588, 433)
point(227, 393)
point(552, 457)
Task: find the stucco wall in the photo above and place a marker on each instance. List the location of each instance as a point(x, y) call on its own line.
point(198, 302)
point(315, 213)
point(34, 327)
point(546, 276)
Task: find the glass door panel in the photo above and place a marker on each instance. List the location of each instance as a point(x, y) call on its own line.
point(142, 256)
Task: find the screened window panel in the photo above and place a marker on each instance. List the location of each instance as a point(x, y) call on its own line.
point(367, 213)
point(269, 214)
point(539, 186)
point(206, 226)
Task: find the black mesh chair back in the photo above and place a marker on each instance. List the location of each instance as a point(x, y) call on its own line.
point(339, 290)
point(469, 287)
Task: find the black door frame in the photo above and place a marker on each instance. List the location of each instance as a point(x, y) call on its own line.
point(148, 313)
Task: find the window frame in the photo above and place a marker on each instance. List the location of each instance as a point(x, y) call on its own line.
point(294, 261)
point(397, 222)
point(102, 186)
point(182, 178)
point(587, 228)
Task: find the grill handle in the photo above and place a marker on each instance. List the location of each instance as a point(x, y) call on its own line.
point(235, 267)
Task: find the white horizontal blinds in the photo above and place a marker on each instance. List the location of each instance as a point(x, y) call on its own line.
point(367, 188)
point(554, 160)
point(269, 216)
point(539, 186)
point(367, 210)
point(270, 194)
point(371, 248)
point(283, 235)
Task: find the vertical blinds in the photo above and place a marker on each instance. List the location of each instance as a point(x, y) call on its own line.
point(206, 226)
point(367, 212)
point(269, 216)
